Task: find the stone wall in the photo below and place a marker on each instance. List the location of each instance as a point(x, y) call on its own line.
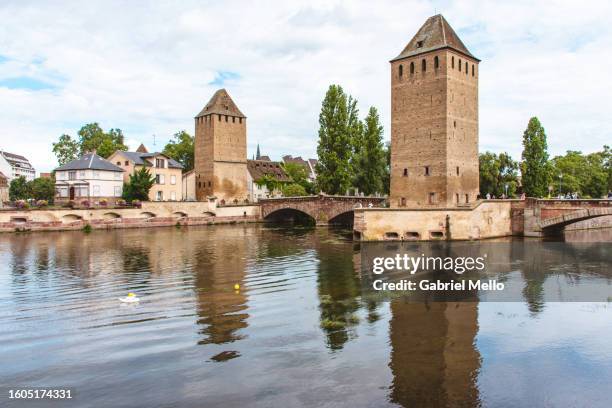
point(152, 214)
point(484, 220)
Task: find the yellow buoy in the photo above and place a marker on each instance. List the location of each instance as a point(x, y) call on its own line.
point(237, 286)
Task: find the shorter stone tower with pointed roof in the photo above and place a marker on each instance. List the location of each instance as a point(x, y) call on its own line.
point(221, 151)
point(434, 120)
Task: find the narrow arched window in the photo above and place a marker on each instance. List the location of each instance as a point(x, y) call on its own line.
point(423, 65)
point(459, 67)
point(401, 70)
point(405, 172)
point(453, 62)
point(436, 62)
point(472, 69)
point(466, 68)
point(411, 68)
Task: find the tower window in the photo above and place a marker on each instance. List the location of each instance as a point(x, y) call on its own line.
point(401, 70)
point(233, 119)
point(226, 118)
point(457, 197)
point(436, 62)
point(432, 198)
point(466, 68)
point(403, 202)
point(472, 69)
point(427, 170)
point(459, 67)
point(423, 65)
point(419, 44)
point(411, 68)
point(240, 120)
point(219, 118)
point(467, 198)
point(454, 123)
point(457, 170)
point(453, 62)
point(405, 172)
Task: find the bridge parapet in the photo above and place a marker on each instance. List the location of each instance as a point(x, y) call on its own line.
point(544, 216)
point(322, 208)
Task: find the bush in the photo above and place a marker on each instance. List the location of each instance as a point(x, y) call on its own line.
point(137, 203)
point(42, 203)
point(104, 202)
point(121, 202)
point(21, 204)
point(85, 203)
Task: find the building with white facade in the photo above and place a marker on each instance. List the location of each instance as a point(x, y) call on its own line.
point(90, 178)
point(14, 165)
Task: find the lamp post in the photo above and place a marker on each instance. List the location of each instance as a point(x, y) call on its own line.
point(506, 188)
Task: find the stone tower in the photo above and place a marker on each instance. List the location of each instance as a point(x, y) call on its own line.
point(434, 120)
point(220, 150)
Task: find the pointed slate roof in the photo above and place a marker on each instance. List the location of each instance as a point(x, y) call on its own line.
point(435, 34)
point(90, 161)
point(221, 103)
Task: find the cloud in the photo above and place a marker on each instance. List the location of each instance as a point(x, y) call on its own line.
point(149, 70)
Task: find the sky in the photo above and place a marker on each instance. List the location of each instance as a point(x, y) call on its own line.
point(149, 67)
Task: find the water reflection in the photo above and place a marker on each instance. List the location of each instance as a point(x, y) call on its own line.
point(304, 328)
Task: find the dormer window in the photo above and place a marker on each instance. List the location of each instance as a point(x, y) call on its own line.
point(419, 44)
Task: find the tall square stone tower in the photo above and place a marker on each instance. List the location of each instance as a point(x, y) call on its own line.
point(220, 150)
point(434, 120)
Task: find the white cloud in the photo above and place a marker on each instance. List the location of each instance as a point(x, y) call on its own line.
point(148, 70)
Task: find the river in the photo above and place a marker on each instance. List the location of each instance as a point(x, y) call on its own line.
point(304, 327)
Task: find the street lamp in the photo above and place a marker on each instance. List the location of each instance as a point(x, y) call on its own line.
point(506, 187)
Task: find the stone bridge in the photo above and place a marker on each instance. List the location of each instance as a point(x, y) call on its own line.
point(324, 209)
point(549, 217)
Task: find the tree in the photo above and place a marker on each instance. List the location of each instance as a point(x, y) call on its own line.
point(535, 169)
point(338, 125)
point(387, 177)
point(181, 149)
point(139, 185)
point(370, 158)
point(91, 137)
point(585, 175)
point(18, 189)
point(299, 175)
point(66, 149)
point(293, 190)
point(269, 182)
point(496, 172)
point(42, 189)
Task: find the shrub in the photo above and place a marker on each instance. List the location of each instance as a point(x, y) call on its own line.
point(137, 203)
point(85, 203)
point(42, 203)
point(21, 204)
point(70, 204)
point(87, 228)
point(104, 202)
point(121, 202)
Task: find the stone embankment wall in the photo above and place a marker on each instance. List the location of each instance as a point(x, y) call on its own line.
point(493, 218)
point(152, 214)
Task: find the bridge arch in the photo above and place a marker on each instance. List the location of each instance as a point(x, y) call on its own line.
point(555, 224)
point(290, 214)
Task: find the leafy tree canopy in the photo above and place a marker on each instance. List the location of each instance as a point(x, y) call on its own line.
point(139, 185)
point(181, 149)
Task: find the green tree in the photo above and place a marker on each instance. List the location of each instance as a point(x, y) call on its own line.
point(91, 137)
point(575, 172)
point(298, 175)
point(42, 189)
point(535, 169)
point(496, 172)
point(19, 189)
point(269, 182)
point(181, 149)
point(66, 149)
point(387, 177)
point(139, 185)
point(607, 164)
point(338, 125)
point(370, 158)
point(293, 190)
